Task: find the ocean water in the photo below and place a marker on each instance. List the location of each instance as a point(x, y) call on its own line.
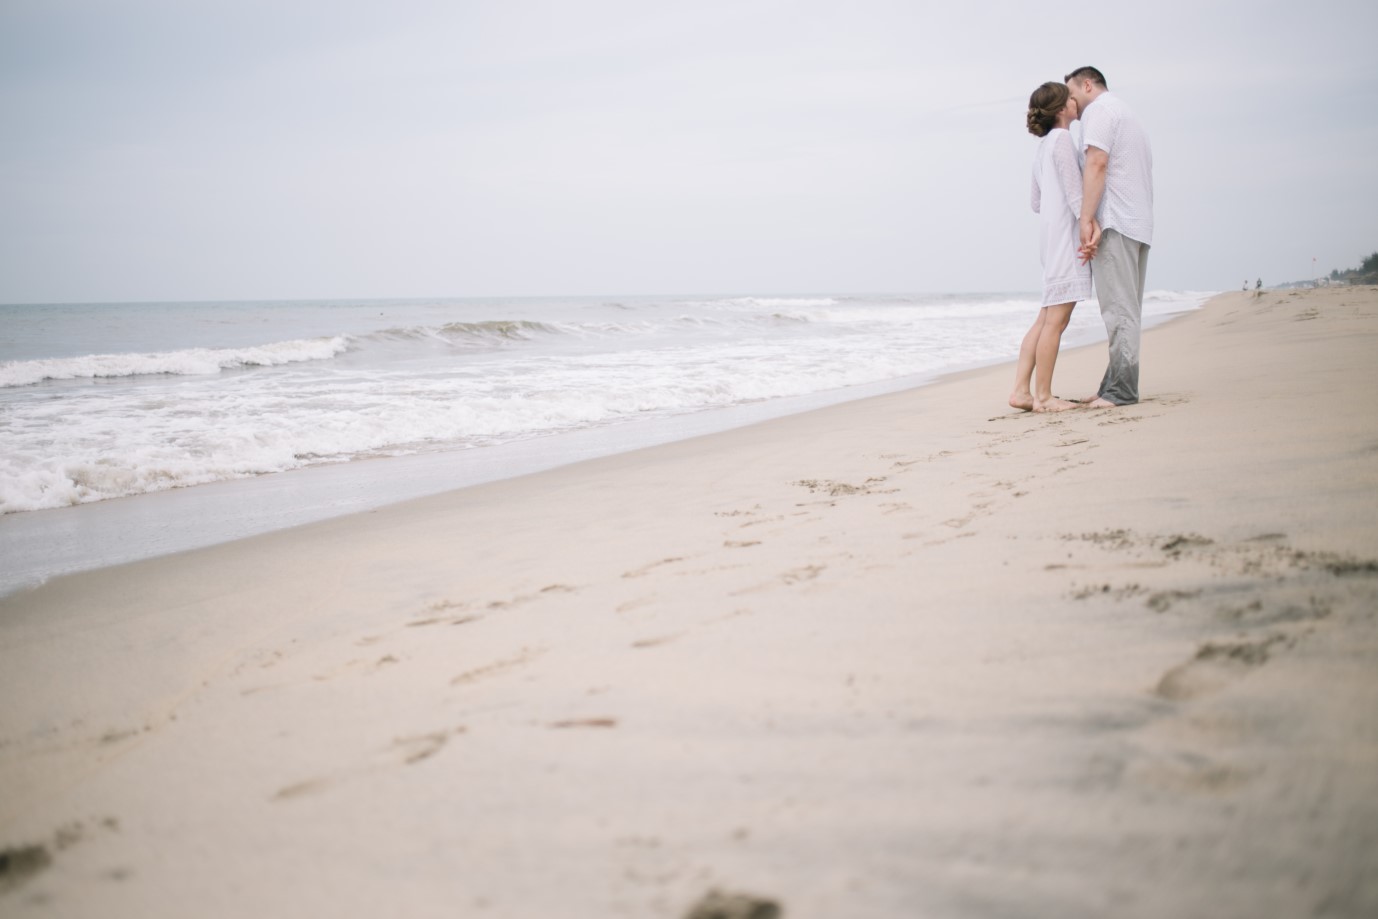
point(113, 400)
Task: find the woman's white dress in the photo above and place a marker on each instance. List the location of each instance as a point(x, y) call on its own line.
point(1057, 201)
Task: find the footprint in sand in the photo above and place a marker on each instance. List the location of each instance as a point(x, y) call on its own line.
point(1189, 772)
point(357, 665)
point(752, 523)
point(636, 603)
point(518, 600)
point(647, 569)
point(837, 489)
point(1176, 545)
point(750, 512)
point(788, 578)
point(526, 655)
point(718, 904)
point(1161, 601)
point(445, 612)
point(584, 723)
point(656, 640)
point(1215, 667)
point(444, 620)
point(21, 863)
point(799, 575)
point(403, 751)
point(423, 746)
point(1106, 590)
point(300, 789)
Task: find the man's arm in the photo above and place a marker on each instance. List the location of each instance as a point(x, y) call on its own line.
point(1092, 188)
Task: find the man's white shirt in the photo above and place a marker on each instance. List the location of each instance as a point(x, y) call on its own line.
point(1127, 203)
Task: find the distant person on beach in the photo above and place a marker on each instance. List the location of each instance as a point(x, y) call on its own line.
point(1116, 225)
point(1057, 191)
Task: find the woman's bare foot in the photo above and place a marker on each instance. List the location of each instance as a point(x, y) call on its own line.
point(1024, 401)
point(1054, 405)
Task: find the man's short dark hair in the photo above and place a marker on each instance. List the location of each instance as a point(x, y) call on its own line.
point(1087, 73)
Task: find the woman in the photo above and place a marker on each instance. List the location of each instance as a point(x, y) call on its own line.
point(1066, 270)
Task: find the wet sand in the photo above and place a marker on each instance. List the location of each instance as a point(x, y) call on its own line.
point(916, 655)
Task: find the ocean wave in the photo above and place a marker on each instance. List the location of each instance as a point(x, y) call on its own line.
point(502, 330)
point(496, 333)
point(769, 303)
point(500, 333)
point(189, 362)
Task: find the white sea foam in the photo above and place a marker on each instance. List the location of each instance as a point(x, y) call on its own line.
point(188, 362)
point(85, 449)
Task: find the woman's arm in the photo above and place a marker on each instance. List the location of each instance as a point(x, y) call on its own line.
point(1068, 171)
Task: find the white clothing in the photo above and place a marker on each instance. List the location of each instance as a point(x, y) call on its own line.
point(1057, 201)
point(1127, 204)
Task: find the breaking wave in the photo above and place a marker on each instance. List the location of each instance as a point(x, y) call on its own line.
point(189, 362)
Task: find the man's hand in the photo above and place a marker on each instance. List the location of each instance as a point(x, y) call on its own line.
point(1093, 186)
point(1090, 239)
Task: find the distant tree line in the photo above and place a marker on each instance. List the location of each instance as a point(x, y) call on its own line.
point(1366, 273)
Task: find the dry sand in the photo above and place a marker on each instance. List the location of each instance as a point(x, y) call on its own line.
point(912, 656)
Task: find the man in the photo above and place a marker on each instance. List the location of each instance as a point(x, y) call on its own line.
point(1116, 225)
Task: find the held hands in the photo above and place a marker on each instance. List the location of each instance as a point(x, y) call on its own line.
point(1090, 239)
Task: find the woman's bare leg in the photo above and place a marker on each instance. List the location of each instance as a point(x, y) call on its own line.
point(1045, 357)
point(1022, 396)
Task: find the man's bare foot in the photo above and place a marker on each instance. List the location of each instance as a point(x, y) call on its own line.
point(1098, 402)
point(1023, 401)
point(1054, 405)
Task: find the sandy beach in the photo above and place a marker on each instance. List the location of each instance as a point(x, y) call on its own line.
point(918, 655)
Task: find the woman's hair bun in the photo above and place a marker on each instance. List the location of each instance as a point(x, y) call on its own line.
point(1044, 105)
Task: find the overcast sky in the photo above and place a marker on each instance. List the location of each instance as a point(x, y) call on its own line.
point(262, 149)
